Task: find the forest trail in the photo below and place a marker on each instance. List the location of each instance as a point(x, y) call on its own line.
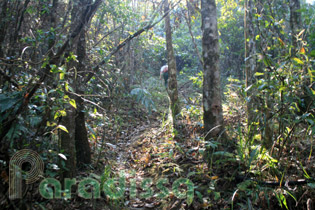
point(130, 155)
point(127, 144)
point(85, 109)
point(149, 150)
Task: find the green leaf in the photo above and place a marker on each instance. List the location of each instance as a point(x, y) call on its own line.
point(61, 127)
point(190, 199)
point(72, 103)
point(291, 195)
point(305, 173)
point(53, 69)
point(61, 75)
point(266, 61)
point(278, 198)
point(299, 61)
point(284, 200)
point(312, 54)
point(7, 102)
point(216, 195)
point(259, 74)
point(199, 195)
point(144, 97)
point(60, 113)
point(67, 86)
point(50, 124)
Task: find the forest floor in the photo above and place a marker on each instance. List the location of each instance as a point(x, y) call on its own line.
point(150, 151)
point(143, 149)
point(146, 149)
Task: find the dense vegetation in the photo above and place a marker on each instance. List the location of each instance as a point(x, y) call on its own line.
point(233, 129)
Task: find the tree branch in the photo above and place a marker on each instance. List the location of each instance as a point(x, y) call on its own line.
point(128, 39)
point(88, 13)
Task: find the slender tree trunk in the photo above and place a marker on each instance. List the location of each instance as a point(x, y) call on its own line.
point(250, 63)
point(67, 139)
point(83, 154)
point(81, 139)
point(295, 20)
point(3, 24)
point(131, 64)
point(67, 143)
point(83, 150)
point(77, 137)
point(3, 28)
point(266, 107)
point(17, 27)
point(172, 82)
point(212, 102)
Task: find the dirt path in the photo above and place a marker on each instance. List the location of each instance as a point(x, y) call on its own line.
point(149, 151)
point(129, 153)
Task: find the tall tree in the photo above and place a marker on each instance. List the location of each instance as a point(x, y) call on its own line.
point(75, 142)
point(266, 107)
point(3, 24)
point(212, 102)
point(295, 20)
point(83, 151)
point(67, 143)
point(250, 60)
point(172, 82)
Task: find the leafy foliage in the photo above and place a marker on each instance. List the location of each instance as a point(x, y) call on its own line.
point(143, 97)
point(43, 75)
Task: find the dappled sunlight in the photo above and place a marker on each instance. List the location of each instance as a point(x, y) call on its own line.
point(157, 104)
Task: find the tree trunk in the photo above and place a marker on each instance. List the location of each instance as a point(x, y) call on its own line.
point(212, 102)
point(81, 139)
point(266, 128)
point(3, 24)
point(172, 82)
point(250, 64)
point(67, 143)
point(83, 150)
point(131, 64)
point(295, 20)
